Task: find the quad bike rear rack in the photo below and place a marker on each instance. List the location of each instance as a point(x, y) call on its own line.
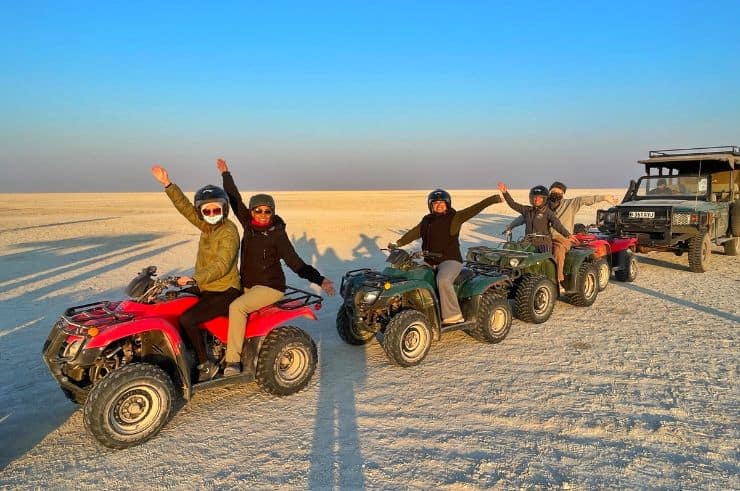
point(373, 279)
point(493, 270)
point(296, 298)
point(99, 312)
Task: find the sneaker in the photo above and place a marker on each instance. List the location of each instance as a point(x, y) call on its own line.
point(206, 371)
point(457, 319)
point(232, 369)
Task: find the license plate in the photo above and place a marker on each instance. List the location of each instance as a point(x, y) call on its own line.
point(642, 214)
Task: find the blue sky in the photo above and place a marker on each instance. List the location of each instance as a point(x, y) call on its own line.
point(344, 95)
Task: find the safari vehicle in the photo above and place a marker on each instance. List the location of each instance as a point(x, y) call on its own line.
point(126, 361)
point(400, 306)
point(534, 292)
point(687, 200)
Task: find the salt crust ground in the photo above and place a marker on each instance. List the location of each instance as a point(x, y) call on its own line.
point(638, 391)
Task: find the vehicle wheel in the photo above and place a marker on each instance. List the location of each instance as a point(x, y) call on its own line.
point(629, 272)
point(494, 319)
point(75, 397)
point(735, 218)
point(407, 338)
point(129, 405)
point(700, 248)
point(604, 272)
point(587, 286)
point(732, 246)
point(347, 330)
point(286, 361)
point(534, 298)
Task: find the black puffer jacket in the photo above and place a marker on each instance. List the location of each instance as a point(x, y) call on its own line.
point(262, 250)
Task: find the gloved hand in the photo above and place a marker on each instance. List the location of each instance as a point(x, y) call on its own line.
point(392, 245)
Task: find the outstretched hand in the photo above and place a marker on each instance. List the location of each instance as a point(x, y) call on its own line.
point(502, 187)
point(222, 167)
point(160, 174)
point(328, 286)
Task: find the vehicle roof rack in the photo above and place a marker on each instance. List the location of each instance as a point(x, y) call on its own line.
point(672, 152)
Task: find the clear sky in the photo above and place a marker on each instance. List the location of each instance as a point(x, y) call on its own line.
point(344, 95)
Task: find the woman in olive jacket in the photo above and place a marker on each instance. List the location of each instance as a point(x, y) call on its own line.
point(264, 244)
point(216, 274)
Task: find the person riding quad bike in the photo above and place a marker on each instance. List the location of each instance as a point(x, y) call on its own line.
point(264, 244)
point(216, 277)
point(440, 235)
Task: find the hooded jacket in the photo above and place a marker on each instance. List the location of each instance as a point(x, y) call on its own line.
point(262, 249)
point(218, 247)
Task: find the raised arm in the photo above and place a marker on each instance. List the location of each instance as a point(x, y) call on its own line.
point(235, 198)
point(466, 214)
point(410, 236)
point(182, 203)
point(509, 200)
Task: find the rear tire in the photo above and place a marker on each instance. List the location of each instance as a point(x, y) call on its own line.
point(587, 286)
point(129, 405)
point(493, 319)
point(732, 246)
point(629, 272)
point(603, 272)
point(286, 361)
point(407, 338)
point(700, 249)
point(347, 330)
point(534, 298)
point(735, 218)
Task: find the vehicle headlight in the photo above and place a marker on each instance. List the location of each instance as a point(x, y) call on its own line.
point(514, 262)
point(370, 296)
point(685, 218)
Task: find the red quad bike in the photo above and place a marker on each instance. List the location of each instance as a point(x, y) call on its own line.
point(126, 361)
point(614, 253)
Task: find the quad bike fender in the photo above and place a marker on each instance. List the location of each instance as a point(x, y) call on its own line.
point(138, 326)
point(422, 297)
point(260, 323)
point(481, 284)
point(574, 258)
point(619, 244)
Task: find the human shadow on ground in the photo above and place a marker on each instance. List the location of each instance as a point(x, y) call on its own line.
point(680, 301)
point(58, 224)
point(31, 403)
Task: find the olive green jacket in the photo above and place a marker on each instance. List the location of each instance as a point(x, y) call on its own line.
point(218, 250)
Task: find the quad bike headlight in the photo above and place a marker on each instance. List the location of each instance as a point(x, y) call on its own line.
point(71, 350)
point(514, 262)
point(370, 297)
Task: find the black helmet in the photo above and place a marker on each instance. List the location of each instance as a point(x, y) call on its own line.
point(538, 191)
point(211, 194)
point(439, 195)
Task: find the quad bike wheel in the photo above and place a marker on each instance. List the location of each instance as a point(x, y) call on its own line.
point(494, 319)
point(129, 405)
point(407, 338)
point(348, 331)
point(286, 361)
point(587, 286)
point(604, 272)
point(732, 246)
point(700, 248)
point(629, 272)
point(534, 298)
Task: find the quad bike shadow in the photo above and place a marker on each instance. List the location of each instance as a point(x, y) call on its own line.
point(127, 364)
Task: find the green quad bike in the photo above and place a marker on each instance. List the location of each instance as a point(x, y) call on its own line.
point(535, 288)
point(400, 306)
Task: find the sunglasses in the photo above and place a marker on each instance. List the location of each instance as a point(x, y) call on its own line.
point(262, 211)
point(211, 211)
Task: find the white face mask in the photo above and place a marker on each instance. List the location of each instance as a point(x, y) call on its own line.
point(213, 219)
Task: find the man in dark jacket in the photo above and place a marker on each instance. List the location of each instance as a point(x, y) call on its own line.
point(264, 244)
point(440, 234)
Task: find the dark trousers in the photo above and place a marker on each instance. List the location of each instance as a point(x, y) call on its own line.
point(209, 306)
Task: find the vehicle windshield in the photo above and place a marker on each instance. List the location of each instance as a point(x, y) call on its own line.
point(670, 186)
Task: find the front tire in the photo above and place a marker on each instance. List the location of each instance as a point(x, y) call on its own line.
point(732, 246)
point(603, 272)
point(348, 331)
point(534, 298)
point(129, 406)
point(587, 286)
point(407, 338)
point(286, 361)
point(700, 249)
point(493, 319)
point(628, 272)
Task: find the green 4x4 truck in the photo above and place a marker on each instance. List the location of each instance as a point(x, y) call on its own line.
point(687, 200)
